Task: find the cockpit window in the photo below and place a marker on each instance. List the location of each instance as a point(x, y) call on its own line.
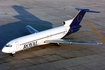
point(8, 45)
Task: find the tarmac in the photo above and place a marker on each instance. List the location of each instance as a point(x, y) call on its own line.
point(46, 14)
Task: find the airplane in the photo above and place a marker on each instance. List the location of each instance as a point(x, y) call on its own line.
point(54, 35)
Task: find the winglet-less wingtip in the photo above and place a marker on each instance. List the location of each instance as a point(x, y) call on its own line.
point(99, 43)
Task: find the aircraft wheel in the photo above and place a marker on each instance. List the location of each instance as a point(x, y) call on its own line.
point(12, 54)
point(58, 44)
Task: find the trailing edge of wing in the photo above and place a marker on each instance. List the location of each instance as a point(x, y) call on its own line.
point(31, 29)
point(69, 42)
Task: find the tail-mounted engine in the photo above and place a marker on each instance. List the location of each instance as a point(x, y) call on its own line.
point(74, 29)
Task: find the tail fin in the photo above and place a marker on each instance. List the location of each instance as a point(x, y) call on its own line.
point(74, 26)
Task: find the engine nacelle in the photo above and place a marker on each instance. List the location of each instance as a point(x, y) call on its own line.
point(74, 29)
point(67, 22)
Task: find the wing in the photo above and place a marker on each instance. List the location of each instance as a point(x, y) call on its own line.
point(31, 29)
point(69, 42)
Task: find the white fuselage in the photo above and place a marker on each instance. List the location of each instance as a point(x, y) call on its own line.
point(36, 39)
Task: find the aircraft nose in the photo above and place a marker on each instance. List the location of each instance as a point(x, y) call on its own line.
point(5, 50)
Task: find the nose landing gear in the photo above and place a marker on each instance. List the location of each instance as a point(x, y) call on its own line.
point(12, 54)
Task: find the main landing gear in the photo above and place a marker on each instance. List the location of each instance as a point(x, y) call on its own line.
point(57, 44)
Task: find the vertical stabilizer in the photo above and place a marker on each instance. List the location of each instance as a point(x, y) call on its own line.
point(74, 26)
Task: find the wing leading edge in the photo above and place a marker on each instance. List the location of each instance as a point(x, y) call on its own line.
point(31, 29)
point(69, 42)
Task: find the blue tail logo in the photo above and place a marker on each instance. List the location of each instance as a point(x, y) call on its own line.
point(79, 18)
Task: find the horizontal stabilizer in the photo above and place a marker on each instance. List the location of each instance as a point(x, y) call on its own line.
point(87, 10)
point(69, 42)
point(31, 29)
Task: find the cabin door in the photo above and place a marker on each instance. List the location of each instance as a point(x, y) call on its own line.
point(17, 45)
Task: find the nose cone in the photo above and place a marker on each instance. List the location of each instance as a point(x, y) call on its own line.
point(5, 50)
